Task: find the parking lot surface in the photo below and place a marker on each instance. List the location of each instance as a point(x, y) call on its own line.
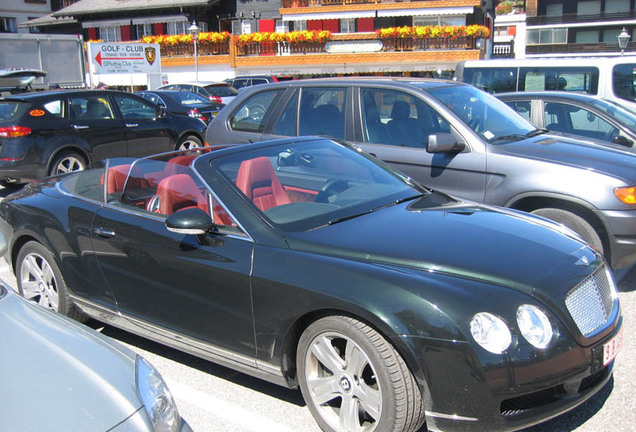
point(216, 399)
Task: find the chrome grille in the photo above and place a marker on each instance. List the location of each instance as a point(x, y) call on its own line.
point(591, 302)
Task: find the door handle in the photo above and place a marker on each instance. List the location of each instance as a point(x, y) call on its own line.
point(131, 125)
point(104, 232)
point(79, 127)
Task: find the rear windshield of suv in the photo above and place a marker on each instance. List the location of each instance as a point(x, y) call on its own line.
point(221, 90)
point(10, 110)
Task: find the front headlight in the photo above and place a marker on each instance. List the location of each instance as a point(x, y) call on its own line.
point(156, 398)
point(535, 326)
point(491, 332)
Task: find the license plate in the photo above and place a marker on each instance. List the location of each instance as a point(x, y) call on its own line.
point(611, 348)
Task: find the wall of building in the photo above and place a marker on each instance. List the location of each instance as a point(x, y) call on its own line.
point(23, 10)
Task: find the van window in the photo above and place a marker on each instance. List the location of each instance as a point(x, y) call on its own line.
point(623, 80)
point(492, 80)
point(579, 79)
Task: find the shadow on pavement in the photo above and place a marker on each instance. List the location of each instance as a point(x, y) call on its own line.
point(288, 395)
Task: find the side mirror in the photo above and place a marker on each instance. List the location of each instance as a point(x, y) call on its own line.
point(442, 142)
point(622, 140)
point(190, 221)
point(161, 112)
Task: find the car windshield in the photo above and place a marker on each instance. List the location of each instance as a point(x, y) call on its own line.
point(221, 90)
point(307, 185)
point(482, 112)
point(626, 117)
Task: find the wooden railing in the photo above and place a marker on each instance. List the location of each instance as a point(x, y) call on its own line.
point(312, 3)
point(580, 48)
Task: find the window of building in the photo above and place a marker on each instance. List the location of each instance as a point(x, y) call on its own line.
point(616, 6)
point(177, 27)
point(547, 36)
point(554, 9)
point(348, 25)
point(446, 20)
point(110, 34)
point(8, 25)
point(300, 25)
point(588, 7)
point(587, 36)
point(142, 30)
point(34, 29)
point(611, 36)
point(282, 26)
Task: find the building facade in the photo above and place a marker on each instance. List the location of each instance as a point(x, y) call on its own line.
point(15, 12)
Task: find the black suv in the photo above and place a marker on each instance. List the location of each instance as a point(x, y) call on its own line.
point(55, 132)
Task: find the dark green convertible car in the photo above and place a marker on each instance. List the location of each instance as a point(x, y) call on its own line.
point(310, 264)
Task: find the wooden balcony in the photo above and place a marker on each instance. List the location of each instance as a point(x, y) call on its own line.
point(318, 6)
point(581, 48)
point(579, 18)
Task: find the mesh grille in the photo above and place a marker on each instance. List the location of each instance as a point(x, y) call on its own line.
point(591, 302)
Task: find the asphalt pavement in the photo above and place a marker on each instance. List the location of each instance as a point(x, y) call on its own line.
point(213, 398)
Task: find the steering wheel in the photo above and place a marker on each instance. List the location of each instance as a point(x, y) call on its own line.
point(331, 188)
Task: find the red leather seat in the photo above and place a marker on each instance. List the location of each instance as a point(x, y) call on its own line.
point(176, 193)
point(117, 176)
point(256, 179)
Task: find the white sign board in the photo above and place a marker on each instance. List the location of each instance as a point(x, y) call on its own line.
point(124, 58)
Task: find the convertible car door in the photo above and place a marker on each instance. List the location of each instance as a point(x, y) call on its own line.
point(194, 290)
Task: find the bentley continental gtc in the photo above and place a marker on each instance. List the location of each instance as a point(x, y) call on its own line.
point(310, 264)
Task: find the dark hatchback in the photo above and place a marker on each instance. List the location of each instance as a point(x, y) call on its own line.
point(310, 264)
point(55, 132)
point(183, 103)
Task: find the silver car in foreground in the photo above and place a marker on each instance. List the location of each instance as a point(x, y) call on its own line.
point(58, 375)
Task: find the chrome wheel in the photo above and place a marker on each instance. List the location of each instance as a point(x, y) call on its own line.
point(38, 283)
point(342, 383)
point(190, 142)
point(68, 162)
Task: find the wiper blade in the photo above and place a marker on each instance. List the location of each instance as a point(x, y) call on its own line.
point(392, 203)
point(510, 137)
point(536, 132)
point(348, 217)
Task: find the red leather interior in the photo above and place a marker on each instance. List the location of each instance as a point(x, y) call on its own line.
point(257, 179)
point(179, 192)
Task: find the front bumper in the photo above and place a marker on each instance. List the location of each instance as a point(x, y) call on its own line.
point(463, 392)
point(621, 227)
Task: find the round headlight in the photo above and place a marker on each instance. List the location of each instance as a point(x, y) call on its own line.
point(535, 326)
point(491, 332)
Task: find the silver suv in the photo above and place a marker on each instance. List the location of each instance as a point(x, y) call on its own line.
point(454, 138)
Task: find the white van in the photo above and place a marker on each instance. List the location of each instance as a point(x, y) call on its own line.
point(612, 78)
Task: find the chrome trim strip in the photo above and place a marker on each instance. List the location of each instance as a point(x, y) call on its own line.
point(195, 347)
point(449, 416)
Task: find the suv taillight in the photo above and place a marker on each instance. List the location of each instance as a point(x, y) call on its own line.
point(14, 131)
point(216, 99)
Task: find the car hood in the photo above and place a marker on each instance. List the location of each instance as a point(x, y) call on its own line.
point(58, 375)
point(495, 246)
point(607, 158)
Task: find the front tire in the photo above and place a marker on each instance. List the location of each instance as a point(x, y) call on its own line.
point(189, 142)
point(67, 162)
point(575, 223)
point(40, 281)
point(353, 380)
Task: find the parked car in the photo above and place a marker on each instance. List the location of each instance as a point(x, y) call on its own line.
point(243, 81)
point(49, 133)
point(217, 92)
point(458, 139)
point(78, 379)
point(576, 114)
point(183, 103)
point(308, 263)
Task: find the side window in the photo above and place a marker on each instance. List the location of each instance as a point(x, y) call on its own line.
point(91, 107)
point(251, 115)
point(187, 87)
point(588, 124)
point(132, 107)
point(240, 83)
point(257, 81)
point(395, 118)
point(522, 108)
point(322, 111)
point(492, 80)
point(624, 81)
point(286, 124)
point(55, 108)
point(555, 118)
